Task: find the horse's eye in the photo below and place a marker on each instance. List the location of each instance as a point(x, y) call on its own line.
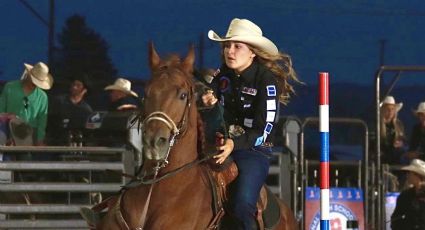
point(183, 96)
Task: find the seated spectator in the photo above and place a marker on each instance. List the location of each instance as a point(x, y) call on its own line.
point(121, 96)
point(409, 212)
point(26, 99)
point(417, 138)
point(69, 112)
point(392, 132)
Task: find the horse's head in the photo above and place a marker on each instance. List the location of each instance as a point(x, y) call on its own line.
point(167, 103)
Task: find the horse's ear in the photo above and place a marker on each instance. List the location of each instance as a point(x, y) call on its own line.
point(189, 60)
point(154, 58)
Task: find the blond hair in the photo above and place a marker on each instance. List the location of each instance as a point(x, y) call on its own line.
point(398, 126)
point(281, 66)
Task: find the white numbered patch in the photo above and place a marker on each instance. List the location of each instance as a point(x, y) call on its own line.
point(270, 116)
point(271, 105)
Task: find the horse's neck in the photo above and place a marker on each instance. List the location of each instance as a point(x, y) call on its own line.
point(184, 150)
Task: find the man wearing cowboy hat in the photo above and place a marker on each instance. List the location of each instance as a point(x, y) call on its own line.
point(27, 100)
point(69, 112)
point(121, 96)
point(417, 137)
point(409, 212)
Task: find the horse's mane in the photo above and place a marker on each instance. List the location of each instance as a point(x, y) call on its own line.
point(201, 140)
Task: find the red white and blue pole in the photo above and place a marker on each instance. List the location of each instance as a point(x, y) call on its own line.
point(324, 150)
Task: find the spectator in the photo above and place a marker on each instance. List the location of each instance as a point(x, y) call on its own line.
point(409, 212)
point(251, 82)
point(69, 112)
point(26, 99)
point(392, 132)
point(121, 96)
point(417, 138)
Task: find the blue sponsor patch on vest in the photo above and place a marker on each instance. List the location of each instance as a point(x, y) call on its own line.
point(224, 84)
point(259, 141)
point(271, 90)
point(268, 128)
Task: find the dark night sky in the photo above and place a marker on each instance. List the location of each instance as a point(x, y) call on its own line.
point(341, 37)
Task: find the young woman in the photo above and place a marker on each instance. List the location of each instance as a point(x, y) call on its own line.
point(392, 132)
point(250, 84)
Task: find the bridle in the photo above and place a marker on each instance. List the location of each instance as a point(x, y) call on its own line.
point(177, 131)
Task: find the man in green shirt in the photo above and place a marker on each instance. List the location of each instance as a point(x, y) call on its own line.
point(26, 99)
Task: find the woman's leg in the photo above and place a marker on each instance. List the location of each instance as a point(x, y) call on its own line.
point(253, 170)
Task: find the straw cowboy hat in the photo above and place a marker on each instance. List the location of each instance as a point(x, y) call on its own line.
point(389, 100)
point(243, 30)
point(416, 166)
point(21, 132)
point(421, 108)
point(40, 75)
point(123, 85)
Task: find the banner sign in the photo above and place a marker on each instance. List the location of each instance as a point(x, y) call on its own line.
point(345, 204)
point(390, 202)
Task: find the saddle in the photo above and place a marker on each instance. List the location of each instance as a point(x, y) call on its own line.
point(268, 211)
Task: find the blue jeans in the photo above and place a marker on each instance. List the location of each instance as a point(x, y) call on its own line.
point(253, 169)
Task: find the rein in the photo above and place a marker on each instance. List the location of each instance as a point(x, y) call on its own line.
point(142, 181)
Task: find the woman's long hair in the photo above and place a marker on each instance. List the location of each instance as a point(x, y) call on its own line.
point(398, 126)
point(281, 66)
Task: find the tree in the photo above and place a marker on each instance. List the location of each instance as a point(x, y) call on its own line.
point(82, 51)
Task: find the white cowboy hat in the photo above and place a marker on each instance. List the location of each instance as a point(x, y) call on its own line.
point(421, 108)
point(417, 166)
point(40, 75)
point(389, 100)
point(243, 30)
point(21, 132)
point(123, 85)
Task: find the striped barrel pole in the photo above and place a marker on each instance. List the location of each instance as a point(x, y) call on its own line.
point(324, 149)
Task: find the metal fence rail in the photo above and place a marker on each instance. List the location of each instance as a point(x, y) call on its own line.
point(64, 213)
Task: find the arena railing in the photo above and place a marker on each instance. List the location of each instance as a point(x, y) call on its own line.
point(398, 70)
point(285, 167)
point(87, 171)
point(363, 166)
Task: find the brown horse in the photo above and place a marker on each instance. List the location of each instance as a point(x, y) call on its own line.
point(176, 193)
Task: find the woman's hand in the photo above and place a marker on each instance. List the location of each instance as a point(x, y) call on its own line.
point(398, 143)
point(224, 150)
point(208, 98)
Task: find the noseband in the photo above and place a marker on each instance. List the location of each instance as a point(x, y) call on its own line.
point(176, 130)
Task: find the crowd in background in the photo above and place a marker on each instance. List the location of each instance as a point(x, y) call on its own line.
point(396, 146)
point(30, 117)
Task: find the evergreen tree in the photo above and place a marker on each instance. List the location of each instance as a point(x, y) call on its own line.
point(82, 51)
